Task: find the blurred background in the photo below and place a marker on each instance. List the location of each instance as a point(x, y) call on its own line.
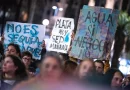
point(46, 11)
point(40, 11)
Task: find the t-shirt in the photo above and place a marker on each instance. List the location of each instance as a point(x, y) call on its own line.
point(10, 82)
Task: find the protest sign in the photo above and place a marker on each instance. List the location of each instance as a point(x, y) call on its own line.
point(28, 36)
point(61, 35)
point(95, 33)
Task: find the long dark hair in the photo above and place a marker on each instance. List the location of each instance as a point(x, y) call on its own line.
point(20, 73)
point(16, 46)
point(109, 76)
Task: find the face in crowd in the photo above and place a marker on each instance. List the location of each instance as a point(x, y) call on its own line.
point(70, 67)
point(113, 78)
point(117, 80)
point(13, 49)
point(43, 44)
point(13, 67)
point(9, 66)
point(99, 65)
point(27, 58)
point(51, 66)
point(86, 68)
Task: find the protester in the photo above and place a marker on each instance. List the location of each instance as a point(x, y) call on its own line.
point(69, 68)
point(99, 66)
point(27, 59)
point(99, 74)
point(87, 74)
point(86, 68)
point(13, 49)
point(4, 86)
point(50, 73)
point(13, 71)
point(113, 79)
point(43, 52)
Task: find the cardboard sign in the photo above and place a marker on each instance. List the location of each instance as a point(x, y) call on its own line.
point(61, 35)
point(95, 33)
point(28, 36)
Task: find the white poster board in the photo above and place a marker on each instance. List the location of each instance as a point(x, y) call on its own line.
point(61, 35)
point(28, 36)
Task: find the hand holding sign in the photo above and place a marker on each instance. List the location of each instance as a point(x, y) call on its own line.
point(61, 35)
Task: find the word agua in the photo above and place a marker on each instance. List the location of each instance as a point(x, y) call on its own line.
point(94, 17)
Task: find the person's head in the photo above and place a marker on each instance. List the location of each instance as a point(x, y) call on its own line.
point(13, 49)
point(12, 65)
point(99, 65)
point(70, 67)
point(113, 78)
point(51, 66)
point(86, 68)
point(43, 44)
point(26, 58)
point(126, 81)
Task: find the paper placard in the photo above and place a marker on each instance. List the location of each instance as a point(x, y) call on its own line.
point(28, 36)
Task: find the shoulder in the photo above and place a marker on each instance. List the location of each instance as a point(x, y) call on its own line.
point(25, 84)
point(5, 86)
point(127, 87)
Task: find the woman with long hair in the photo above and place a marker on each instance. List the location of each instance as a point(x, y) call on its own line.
point(13, 71)
point(85, 69)
point(50, 73)
point(13, 49)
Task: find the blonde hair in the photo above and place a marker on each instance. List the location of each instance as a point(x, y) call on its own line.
point(78, 67)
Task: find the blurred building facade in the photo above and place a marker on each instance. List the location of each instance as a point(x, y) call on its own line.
point(35, 11)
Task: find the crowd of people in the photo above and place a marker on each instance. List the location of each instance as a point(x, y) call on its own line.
point(55, 71)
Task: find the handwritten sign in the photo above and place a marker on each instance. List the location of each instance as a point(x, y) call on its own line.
point(95, 33)
point(61, 35)
point(27, 36)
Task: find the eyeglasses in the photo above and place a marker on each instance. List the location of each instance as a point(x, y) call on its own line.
point(26, 59)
